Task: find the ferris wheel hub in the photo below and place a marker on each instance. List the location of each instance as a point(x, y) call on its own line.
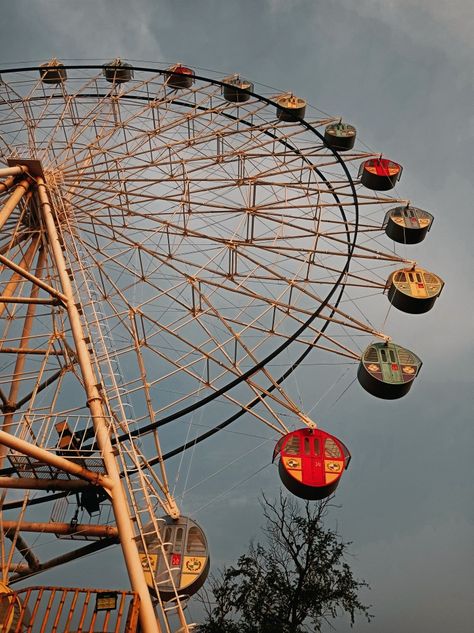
point(33, 166)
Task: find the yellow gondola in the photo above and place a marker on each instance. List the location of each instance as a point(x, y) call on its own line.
point(414, 290)
point(290, 108)
point(187, 557)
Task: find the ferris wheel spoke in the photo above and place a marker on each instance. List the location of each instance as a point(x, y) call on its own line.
point(204, 379)
point(242, 411)
point(248, 352)
point(217, 344)
point(107, 133)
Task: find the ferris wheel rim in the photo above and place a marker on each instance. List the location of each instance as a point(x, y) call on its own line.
point(350, 243)
point(351, 236)
point(227, 174)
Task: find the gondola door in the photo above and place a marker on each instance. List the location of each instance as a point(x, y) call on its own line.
point(417, 286)
point(173, 539)
point(313, 467)
point(411, 219)
point(391, 370)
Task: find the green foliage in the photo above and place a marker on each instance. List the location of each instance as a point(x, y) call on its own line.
point(292, 583)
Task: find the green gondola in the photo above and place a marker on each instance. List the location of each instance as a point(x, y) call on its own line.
point(387, 370)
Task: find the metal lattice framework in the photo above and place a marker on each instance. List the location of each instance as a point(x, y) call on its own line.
point(160, 249)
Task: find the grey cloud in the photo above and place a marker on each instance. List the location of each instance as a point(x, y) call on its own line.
point(401, 71)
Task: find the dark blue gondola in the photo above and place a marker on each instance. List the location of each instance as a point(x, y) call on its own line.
point(407, 225)
point(340, 136)
point(117, 72)
point(235, 89)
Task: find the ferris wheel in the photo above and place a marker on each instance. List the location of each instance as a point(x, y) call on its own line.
point(171, 244)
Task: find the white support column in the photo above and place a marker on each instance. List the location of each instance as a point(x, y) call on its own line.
point(13, 200)
point(148, 620)
point(13, 171)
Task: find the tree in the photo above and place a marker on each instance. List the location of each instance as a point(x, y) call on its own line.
point(292, 583)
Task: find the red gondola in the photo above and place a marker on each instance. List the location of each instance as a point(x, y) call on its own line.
point(311, 462)
point(181, 77)
point(380, 174)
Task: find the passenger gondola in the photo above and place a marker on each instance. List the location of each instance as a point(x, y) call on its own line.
point(117, 71)
point(413, 290)
point(187, 556)
point(340, 136)
point(407, 225)
point(290, 108)
point(387, 370)
point(235, 89)
point(311, 462)
point(53, 72)
point(181, 77)
point(380, 174)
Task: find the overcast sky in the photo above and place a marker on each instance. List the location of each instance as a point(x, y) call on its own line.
point(401, 71)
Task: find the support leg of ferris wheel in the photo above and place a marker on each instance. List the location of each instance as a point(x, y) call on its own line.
point(13, 200)
point(148, 620)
